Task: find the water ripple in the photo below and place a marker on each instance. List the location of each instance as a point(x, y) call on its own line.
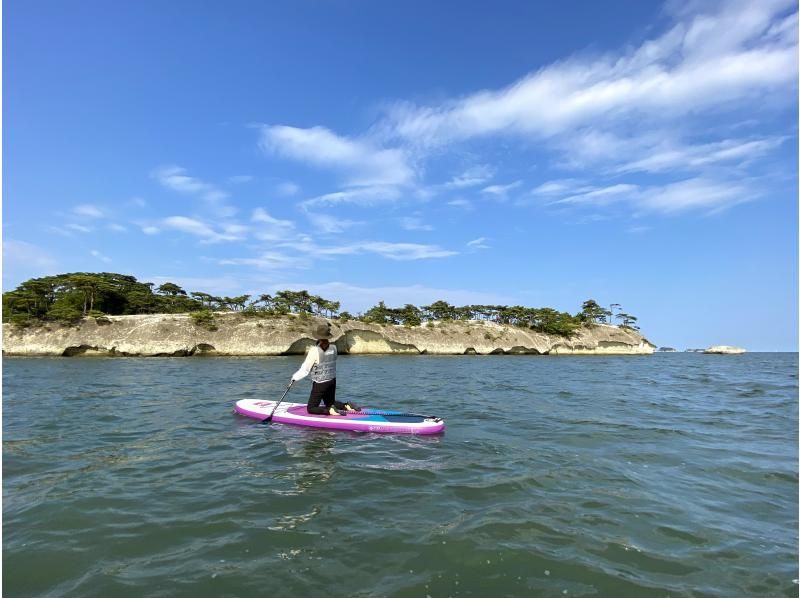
point(670, 475)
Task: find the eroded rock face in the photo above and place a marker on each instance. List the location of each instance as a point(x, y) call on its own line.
point(234, 334)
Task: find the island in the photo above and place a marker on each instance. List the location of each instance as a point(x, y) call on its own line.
point(723, 350)
point(115, 315)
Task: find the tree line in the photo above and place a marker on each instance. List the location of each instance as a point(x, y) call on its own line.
point(69, 297)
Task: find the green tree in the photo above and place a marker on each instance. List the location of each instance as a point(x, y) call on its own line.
point(591, 312)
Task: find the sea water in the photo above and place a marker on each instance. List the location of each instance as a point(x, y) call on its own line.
point(664, 475)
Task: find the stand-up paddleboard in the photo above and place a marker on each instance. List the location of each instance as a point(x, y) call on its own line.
point(367, 420)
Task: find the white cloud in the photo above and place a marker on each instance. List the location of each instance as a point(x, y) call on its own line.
point(472, 177)
point(117, 228)
point(632, 110)
point(392, 251)
point(270, 260)
point(269, 228)
point(79, 228)
point(150, 230)
point(192, 226)
point(414, 223)
point(240, 179)
point(708, 62)
point(559, 187)
point(88, 210)
point(628, 111)
point(364, 196)
point(288, 188)
point(361, 162)
point(697, 193)
point(501, 191)
point(326, 223)
point(479, 243)
point(699, 156)
point(603, 195)
point(176, 179)
point(400, 251)
point(461, 203)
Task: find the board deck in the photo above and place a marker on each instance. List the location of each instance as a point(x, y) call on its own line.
point(383, 421)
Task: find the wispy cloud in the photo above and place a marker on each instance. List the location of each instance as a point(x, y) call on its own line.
point(698, 194)
point(388, 250)
point(501, 191)
point(696, 157)
point(270, 260)
point(328, 224)
point(363, 196)
point(479, 243)
point(88, 210)
point(472, 177)
point(287, 188)
point(360, 161)
point(705, 61)
point(206, 233)
point(240, 179)
point(392, 251)
point(176, 179)
point(414, 223)
point(603, 195)
point(559, 187)
point(271, 229)
point(461, 203)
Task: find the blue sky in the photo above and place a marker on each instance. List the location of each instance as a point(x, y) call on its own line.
point(532, 153)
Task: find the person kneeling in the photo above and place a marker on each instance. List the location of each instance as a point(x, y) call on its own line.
point(321, 364)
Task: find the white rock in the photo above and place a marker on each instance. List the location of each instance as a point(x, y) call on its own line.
point(724, 350)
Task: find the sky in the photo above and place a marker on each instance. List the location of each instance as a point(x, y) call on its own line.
point(511, 153)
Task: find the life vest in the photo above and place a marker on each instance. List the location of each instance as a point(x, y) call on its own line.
point(325, 368)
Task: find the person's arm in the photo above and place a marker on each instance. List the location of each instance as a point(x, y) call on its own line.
point(311, 359)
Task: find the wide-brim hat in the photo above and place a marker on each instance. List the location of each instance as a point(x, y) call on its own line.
point(322, 331)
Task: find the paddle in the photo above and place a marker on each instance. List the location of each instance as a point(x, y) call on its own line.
point(269, 417)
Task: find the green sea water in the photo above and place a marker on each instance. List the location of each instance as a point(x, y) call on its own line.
point(664, 475)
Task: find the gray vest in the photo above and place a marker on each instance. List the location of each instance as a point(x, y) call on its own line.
point(325, 370)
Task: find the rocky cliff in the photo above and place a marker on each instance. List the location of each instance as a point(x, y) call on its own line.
point(235, 334)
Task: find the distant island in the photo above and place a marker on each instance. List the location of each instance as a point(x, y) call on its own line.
point(114, 314)
point(724, 350)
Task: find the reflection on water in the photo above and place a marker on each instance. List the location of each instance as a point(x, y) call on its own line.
point(312, 462)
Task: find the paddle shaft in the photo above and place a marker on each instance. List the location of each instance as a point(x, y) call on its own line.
point(269, 417)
